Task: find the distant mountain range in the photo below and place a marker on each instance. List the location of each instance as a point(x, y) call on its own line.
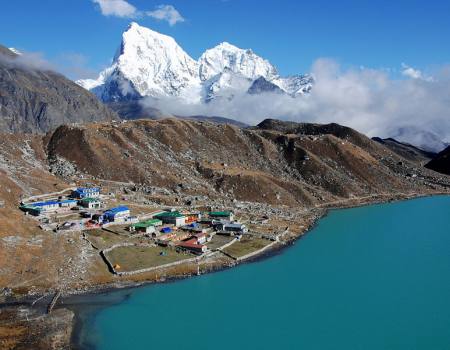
point(406, 150)
point(420, 138)
point(148, 63)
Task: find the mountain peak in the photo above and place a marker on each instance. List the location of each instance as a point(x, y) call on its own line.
point(225, 45)
point(15, 51)
point(138, 35)
point(149, 63)
point(145, 31)
point(242, 61)
point(133, 25)
point(4, 51)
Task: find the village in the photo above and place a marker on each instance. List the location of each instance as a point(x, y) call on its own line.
point(132, 239)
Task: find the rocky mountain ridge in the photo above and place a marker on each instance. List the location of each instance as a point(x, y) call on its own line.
point(276, 162)
point(281, 163)
point(35, 99)
point(406, 150)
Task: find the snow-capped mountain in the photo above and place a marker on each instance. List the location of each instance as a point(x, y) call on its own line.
point(423, 139)
point(229, 57)
point(262, 85)
point(148, 63)
point(225, 85)
point(14, 50)
point(295, 85)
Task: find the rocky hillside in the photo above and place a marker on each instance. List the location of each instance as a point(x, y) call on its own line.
point(24, 250)
point(276, 162)
point(34, 99)
point(279, 163)
point(441, 162)
point(406, 150)
point(178, 161)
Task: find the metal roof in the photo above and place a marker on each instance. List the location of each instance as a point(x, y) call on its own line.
point(90, 199)
point(42, 204)
point(27, 207)
point(172, 214)
point(68, 201)
point(234, 225)
point(117, 209)
point(220, 213)
point(88, 189)
point(148, 223)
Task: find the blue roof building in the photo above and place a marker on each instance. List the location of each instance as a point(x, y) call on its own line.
point(36, 208)
point(84, 192)
point(67, 203)
point(119, 213)
point(45, 205)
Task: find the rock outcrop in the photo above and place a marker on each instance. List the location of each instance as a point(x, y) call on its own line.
point(441, 162)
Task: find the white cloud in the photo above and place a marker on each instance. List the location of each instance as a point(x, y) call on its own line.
point(410, 72)
point(118, 8)
point(31, 61)
point(414, 73)
point(71, 64)
point(74, 65)
point(166, 13)
point(368, 100)
point(122, 8)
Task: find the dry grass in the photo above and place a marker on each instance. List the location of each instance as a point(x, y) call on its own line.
point(136, 257)
point(218, 241)
point(246, 246)
point(119, 229)
point(102, 239)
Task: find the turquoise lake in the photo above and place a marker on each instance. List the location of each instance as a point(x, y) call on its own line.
point(374, 277)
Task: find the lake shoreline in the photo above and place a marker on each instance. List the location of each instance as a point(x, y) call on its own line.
point(277, 249)
point(76, 300)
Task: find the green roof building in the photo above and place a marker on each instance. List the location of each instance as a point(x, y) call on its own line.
point(172, 217)
point(35, 211)
point(226, 215)
point(169, 214)
point(147, 223)
point(90, 203)
point(146, 226)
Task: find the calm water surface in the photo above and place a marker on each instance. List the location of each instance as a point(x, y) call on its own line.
point(375, 277)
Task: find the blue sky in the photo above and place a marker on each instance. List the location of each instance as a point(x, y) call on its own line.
point(291, 34)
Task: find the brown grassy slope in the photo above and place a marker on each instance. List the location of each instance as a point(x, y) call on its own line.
point(301, 165)
point(27, 254)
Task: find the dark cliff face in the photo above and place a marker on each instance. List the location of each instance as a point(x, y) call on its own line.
point(37, 100)
point(262, 85)
point(441, 163)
